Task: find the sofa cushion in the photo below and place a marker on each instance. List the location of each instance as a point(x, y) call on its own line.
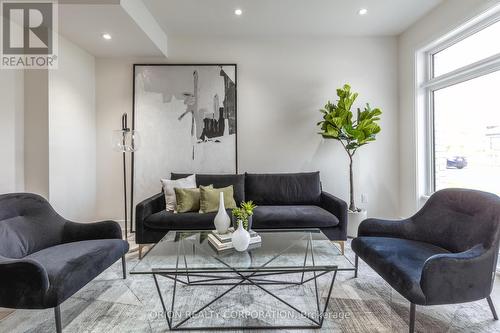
point(186, 221)
point(168, 189)
point(218, 181)
point(398, 261)
point(71, 266)
point(283, 189)
point(270, 217)
point(210, 198)
point(188, 199)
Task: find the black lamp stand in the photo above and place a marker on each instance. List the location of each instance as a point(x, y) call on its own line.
point(125, 130)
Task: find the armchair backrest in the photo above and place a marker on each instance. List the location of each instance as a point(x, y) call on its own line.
point(458, 219)
point(27, 224)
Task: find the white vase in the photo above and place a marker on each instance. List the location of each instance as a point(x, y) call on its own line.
point(240, 238)
point(222, 220)
point(353, 222)
point(243, 259)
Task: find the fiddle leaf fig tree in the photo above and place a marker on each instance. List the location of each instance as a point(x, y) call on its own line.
point(338, 124)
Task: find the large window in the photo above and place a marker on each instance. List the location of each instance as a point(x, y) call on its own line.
point(463, 108)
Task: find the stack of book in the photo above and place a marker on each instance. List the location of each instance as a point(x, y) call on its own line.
point(222, 242)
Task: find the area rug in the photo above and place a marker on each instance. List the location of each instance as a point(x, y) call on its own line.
point(363, 304)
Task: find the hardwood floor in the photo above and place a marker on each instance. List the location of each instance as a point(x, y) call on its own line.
point(5, 312)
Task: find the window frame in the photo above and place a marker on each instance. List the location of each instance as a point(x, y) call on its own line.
point(430, 84)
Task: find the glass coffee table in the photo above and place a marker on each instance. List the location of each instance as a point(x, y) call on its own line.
point(285, 259)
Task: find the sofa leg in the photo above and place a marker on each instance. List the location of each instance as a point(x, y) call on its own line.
point(124, 267)
point(356, 262)
point(342, 247)
point(411, 326)
point(57, 313)
point(140, 250)
point(492, 307)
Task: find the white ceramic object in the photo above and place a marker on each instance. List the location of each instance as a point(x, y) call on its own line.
point(243, 259)
point(240, 238)
point(354, 220)
point(222, 220)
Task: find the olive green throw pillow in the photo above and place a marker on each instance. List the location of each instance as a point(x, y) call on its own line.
point(188, 199)
point(209, 198)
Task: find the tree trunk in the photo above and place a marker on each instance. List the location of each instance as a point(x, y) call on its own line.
point(352, 206)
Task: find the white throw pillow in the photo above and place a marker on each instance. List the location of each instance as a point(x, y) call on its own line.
point(168, 189)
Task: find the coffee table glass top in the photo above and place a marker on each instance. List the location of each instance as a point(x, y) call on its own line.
point(280, 250)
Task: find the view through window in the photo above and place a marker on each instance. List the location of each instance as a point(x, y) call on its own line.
point(467, 134)
point(466, 113)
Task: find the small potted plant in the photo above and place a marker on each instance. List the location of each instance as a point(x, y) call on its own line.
point(245, 213)
point(248, 207)
point(338, 124)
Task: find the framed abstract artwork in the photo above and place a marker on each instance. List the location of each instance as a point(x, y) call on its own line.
point(186, 117)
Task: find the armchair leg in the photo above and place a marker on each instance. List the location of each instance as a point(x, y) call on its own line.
point(492, 307)
point(356, 260)
point(411, 326)
point(124, 267)
point(57, 312)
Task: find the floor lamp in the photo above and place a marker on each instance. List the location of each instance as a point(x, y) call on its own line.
point(126, 141)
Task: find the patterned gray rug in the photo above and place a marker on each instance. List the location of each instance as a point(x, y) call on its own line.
point(366, 304)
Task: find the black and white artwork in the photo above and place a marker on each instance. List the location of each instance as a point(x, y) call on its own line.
point(186, 117)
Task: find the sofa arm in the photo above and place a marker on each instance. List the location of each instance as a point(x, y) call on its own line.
point(459, 277)
point(75, 232)
point(337, 207)
point(23, 283)
point(145, 209)
point(386, 228)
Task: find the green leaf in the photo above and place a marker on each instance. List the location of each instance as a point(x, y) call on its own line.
point(339, 122)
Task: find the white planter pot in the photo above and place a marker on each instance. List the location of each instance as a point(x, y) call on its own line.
point(354, 220)
point(222, 220)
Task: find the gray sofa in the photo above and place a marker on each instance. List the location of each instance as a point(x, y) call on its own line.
point(285, 201)
point(45, 259)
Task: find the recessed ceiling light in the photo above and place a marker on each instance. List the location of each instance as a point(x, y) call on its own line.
point(238, 12)
point(363, 11)
point(106, 36)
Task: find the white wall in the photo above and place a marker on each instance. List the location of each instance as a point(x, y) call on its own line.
point(36, 131)
point(72, 134)
point(281, 85)
point(114, 97)
point(11, 131)
point(443, 19)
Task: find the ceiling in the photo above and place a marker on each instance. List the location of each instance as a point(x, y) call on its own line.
point(201, 18)
point(84, 21)
point(84, 24)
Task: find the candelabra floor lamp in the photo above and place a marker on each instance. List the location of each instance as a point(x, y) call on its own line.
point(126, 141)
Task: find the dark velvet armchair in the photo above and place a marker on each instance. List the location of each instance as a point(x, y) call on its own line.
point(445, 254)
point(45, 259)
